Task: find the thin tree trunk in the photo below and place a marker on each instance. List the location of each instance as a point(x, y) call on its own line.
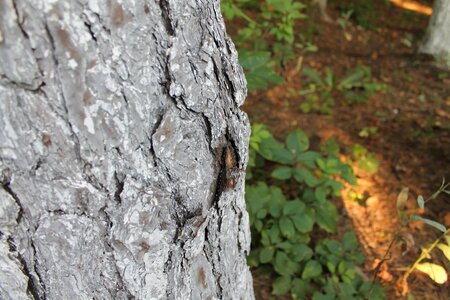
point(122, 150)
point(437, 38)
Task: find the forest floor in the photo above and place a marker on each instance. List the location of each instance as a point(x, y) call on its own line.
point(412, 139)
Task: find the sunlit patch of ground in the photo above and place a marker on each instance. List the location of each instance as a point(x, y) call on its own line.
point(413, 6)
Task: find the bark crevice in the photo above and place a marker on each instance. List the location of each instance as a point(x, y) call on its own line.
point(7, 188)
point(165, 14)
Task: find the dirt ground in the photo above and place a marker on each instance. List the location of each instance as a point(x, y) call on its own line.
point(412, 143)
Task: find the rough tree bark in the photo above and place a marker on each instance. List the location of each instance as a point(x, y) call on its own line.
point(437, 38)
point(122, 150)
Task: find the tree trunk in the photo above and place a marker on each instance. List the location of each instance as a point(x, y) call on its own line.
point(122, 152)
point(437, 38)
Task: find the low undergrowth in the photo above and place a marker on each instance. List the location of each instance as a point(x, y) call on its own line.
point(288, 192)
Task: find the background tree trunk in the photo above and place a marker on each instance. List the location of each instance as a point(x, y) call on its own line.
point(437, 38)
point(122, 152)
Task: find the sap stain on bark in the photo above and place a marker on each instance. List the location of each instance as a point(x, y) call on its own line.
point(92, 64)
point(144, 218)
point(144, 246)
point(232, 171)
point(64, 38)
point(118, 15)
point(146, 9)
point(201, 277)
point(87, 97)
point(46, 140)
point(228, 171)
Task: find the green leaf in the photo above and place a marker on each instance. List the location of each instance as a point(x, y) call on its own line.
point(435, 224)
point(331, 147)
point(261, 77)
point(326, 215)
point(282, 156)
point(265, 238)
point(301, 252)
point(297, 141)
point(347, 174)
point(314, 76)
point(344, 266)
point(334, 247)
point(284, 265)
point(286, 227)
point(303, 222)
point(358, 151)
point(266, 255)
point(257, 71)
point(282, 173)
point(293, 207)
point(252, 259)
point(335, 185)
point(331, 266)
point(304, 175)
point(420, 201)
point(436, 272)
point(320, 296)
point(281, 285)
point(274, 234)
point(312, 269)
point(277, 202)
point(253, 59)
point(286, 246)
point(347, 289)
point(258, 225)
point(301, 238)
point(267, 146)
point(369, 163)
point(262, 213)
point(275, 209)
point(351, 80)
point(308, 158)
point(321, 193)
point(299, 288)
point(350, 242)
point(257, 196)
point(445, 249)
point(329, 78)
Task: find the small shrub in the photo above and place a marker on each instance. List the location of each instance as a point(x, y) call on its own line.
point(356, 87)
point(288, 206)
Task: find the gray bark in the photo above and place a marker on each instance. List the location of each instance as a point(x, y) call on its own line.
point(437, 38)
point(122, 150)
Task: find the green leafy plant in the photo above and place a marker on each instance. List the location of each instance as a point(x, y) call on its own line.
point(271, 19)
point(442, 76)
point(318, 92)
point(344, 19)
point(234, 8)
point(356, 87)
point(258, 70)
point(365, 160)
point(363, 12)
point(342, 261)
point(286, 208)
point(284, 13)
point(306, 45)
point(368, 131)
point(408, 40)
